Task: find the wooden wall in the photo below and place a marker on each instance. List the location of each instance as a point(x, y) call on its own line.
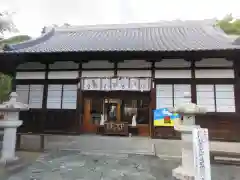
point(221, 127)
point(167, 71)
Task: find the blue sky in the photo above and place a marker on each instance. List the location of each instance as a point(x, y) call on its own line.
point(32, 15)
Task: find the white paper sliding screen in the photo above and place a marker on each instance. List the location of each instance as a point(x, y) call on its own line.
point(54, 96)
point(169, 95)
point(164, 96)
point(62, 96)
point(30, 94)
point(36, 96)
point(216, 98)
point(205, 97)
point(22, 92)
point(180, 91)
point(225, 100)
point(69, 97)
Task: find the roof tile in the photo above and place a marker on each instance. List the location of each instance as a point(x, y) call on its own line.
point(175, 36)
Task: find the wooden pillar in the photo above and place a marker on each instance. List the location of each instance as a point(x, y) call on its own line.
point(236, 65)
point(44, 102)
point(115, 68)
point(152, 100)
point(193, 81)
point(151, 108)
point(79, 111)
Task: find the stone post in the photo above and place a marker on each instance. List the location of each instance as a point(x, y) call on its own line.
point(188, 110)
point(10, 123)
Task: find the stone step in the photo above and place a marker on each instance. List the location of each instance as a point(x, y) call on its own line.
point(107, 152)
point(17, 166)
point(104, 144)
point(89, 143)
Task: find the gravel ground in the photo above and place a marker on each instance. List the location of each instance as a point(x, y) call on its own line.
point(68, 165)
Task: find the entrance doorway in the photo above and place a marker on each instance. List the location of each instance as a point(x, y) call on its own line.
point(94, 108)
point(91, 115)
point(112, 110)
point(119, 107)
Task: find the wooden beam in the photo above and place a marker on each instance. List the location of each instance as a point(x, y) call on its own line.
point(152, 97)
point(79, 112)
point(193, 82)
point(44, 102)
point(236, 67)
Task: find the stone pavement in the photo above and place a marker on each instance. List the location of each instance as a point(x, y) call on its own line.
point(26, 159)
point(172, 148)
point(73, 165)
point(109, 144)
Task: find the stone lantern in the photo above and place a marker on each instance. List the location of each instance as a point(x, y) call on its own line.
point(10, 123)
point(188, 111)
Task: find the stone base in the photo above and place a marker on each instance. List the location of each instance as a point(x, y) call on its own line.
point(6, 162)
point(11, 166)
point(182, 174)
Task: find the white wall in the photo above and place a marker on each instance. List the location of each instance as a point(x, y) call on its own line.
point(172, 63)
point(167, 63)
point(214, 62)
point(134, 64)
point(97, 65)
point(30, 75)
point(134, 73)
point(109, 73)
point(172, 74)
point(31, 65)
point(63, 65)
point(63, 75)
point(214, 73)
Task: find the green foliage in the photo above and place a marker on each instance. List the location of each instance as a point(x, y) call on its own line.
point(14, 40)
point(6, 24)
point(5, 80)
point(230, 25)
point(5, 87)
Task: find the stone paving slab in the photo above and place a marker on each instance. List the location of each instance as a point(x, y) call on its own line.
point(70, 165)
point(130, 145)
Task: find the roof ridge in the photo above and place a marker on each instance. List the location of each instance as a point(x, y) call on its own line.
point(175, 23)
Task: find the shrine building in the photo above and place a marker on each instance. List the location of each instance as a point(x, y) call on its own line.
point(108, 79)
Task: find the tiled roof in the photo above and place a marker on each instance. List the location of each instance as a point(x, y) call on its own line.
point(237, 41)
point(162, 36)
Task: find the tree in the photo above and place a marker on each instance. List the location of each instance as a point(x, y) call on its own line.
point(14, 40)
point(230, 25)
point(5, 87)
point(6, 23)
point(5, 80)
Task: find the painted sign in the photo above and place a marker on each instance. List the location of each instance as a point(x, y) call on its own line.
point(116, 84)
point(162, 117)
point(91, 84)
point(201, 154)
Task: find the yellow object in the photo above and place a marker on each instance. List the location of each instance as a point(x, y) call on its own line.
point(161, 122)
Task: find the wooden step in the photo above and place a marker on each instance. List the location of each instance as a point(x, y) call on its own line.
point(226, 158)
